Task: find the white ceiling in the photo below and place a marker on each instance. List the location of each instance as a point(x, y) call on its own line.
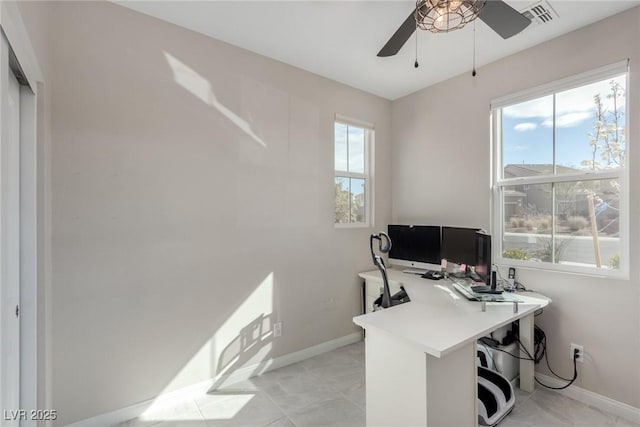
point(340, 39)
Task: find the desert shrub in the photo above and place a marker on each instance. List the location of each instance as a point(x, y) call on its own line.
point(515, 254)
point(577, 223)
point(549, 249)
point(539, 222)
point(544, 222)
point(614, 261)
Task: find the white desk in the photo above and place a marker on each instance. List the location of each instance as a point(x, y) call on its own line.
point(421, 356)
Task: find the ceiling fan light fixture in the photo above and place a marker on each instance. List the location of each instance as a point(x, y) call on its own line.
point(442, 16)
point(455, 4)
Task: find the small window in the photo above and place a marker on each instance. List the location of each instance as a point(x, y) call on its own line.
point(352, 143)
point(561, 191)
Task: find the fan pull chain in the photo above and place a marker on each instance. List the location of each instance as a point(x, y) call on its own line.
point(416, 65)
point(473, 72)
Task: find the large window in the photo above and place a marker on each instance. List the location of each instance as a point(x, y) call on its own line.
point(353, 143)
point(561, 186)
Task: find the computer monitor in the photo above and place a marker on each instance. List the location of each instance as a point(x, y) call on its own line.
point(483, 257)
point(459, 245)
point(416, 246)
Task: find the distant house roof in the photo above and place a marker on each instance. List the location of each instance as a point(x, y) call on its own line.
point(520, 170)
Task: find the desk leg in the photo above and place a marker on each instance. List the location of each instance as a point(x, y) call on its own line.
point(527, 367)
point(452, 388)
point(406, 387)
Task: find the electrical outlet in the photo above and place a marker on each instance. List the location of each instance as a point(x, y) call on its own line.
point(580, 350)
point(277, 329)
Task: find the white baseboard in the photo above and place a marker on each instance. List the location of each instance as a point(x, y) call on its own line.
point(191, 392)
point(596, 400)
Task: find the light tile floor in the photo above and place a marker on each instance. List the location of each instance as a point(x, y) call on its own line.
point(328, 390)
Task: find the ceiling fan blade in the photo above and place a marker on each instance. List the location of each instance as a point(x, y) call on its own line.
point(400, 37)
point(503, 19)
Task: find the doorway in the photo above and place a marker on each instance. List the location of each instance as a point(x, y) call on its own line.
point(18, 287)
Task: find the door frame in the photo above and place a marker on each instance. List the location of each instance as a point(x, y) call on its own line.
point(34, 211)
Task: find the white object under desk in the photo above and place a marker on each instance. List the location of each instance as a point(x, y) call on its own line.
point(421, 356)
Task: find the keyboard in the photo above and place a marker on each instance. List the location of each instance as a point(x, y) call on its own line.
point(483, 289)
point(467, 292)
point(464, 290)
point(474, 276)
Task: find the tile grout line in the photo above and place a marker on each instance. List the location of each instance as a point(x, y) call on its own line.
point(344, 396)
point(337, 393)
point(200, 412)
point(318, 378)
point(306, 406)
point(286, 415)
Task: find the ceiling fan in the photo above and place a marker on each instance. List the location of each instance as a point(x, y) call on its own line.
point(441, 16)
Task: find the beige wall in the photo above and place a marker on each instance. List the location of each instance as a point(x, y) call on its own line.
point(441, 135)
point(192, 202)
point(169, 215)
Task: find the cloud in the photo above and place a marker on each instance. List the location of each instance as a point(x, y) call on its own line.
point(568, 120)
point(536, 108)
point(572, 106)
point(526, 126)
point(517, 148)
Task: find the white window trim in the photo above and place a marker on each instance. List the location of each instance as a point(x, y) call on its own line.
point(622, 174)
point(369, 138)
point(566, 83)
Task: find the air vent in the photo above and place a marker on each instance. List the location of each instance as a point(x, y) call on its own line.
point(540, 12)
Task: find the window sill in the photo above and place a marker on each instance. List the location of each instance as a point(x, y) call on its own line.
point(604, 273)
point(352, 225)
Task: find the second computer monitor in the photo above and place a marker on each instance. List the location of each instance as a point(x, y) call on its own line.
point(483, 257)
point(459, 245)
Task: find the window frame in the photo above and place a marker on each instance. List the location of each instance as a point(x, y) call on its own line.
point(499, 182)
point(367, 176)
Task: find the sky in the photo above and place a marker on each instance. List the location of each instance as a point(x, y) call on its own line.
point(527, 128)
point(349, 150)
